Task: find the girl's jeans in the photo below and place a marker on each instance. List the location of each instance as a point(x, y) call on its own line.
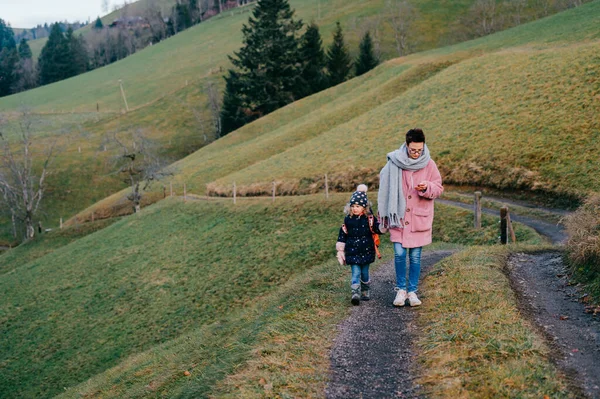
point(414, 256)
point(359, 272)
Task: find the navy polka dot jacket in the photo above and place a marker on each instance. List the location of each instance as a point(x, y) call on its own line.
point(360, 248)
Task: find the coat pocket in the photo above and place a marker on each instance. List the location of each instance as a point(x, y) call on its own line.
point(422, 220)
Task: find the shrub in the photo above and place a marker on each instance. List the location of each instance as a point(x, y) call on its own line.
point(583, 245)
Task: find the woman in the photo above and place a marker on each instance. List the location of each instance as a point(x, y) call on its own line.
point(408, 184)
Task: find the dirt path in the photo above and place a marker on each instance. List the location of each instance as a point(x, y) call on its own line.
point(547, 298)
point(554, 232)
point(372, 356)
point(549, 301)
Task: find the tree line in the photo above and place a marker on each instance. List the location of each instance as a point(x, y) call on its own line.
point(67, 54)
point(278, 64)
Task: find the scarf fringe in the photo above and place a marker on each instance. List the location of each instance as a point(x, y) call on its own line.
point(391, 221)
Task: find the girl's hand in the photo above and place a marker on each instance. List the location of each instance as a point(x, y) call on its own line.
point(341, 257)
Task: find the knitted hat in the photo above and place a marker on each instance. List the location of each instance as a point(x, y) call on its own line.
point(359, 197)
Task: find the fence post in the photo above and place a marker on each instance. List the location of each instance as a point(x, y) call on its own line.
point(513, 237)
point(234, 192)
point(477, 209)
point(503, 224)
point(184, 192)
point(326, 187)
point(171, 187)
point(273, 192)
point(61, 223)
point(93, 216)
point(123, 94)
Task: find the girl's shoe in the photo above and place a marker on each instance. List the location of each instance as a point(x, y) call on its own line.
point(355, 294)
point(365, 290)
point(400, 299)
point(413, 300)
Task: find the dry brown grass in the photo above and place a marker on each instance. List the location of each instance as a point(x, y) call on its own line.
point(583, 245)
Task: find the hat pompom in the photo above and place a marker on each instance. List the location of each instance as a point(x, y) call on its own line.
point(362, 187)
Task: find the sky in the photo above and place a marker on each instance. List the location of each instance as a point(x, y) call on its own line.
point(29, 13)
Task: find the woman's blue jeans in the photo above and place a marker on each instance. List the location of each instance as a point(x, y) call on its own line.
point(414, 256)
point(359, 272)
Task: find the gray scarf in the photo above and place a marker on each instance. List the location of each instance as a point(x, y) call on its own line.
point(391, 203)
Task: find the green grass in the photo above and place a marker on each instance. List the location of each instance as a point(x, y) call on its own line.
point(43, 244)
point(474, 342)
point(471, 112)
point(448, 104)
point(91, 304)
point(120, 291)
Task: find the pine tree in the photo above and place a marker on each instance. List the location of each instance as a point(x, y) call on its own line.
point(232, 116)
point(366, 59)
point(313, 58)
point(269, 64)
point(339, 63)
point(24, 49)
point(78, 54)
point(55, 59)
point(98, 25)
point(9, 59)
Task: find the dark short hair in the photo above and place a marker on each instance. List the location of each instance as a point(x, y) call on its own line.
point(415, 135)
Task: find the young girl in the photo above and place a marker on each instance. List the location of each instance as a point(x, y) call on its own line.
point(355, 245)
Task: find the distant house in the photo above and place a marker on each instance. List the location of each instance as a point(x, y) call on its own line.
point(130, 22)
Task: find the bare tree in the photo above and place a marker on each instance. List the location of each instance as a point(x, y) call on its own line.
point(373, 26)
point(214, 100)
point(138, 163)
point(484, 14)
point(401, 15)
point(153, 15)
point(516, 8)
point(23, 174)
point(544, 7)
point(105, 6)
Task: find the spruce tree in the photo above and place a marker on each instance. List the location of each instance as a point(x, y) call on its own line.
point(98, 25)
point(55, 59)
point(24, 49)
point(366, 59)
point(78, 54)
point(339, 63)
point(313, 58)
point(268, 64)
point(9, 59)
point(232, 115)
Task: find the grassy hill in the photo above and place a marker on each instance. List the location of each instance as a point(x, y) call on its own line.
point(533, 91)
point(175, 271)
point(167, 99)
point(207, 286)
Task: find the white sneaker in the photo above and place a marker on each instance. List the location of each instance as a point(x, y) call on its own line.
point(400, 297)
point(413, 300)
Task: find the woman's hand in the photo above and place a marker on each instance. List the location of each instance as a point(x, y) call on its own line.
point(422, 186)
point(341, 257)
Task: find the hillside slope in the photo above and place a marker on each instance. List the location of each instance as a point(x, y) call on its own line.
point(174, 271)
point(497, 112)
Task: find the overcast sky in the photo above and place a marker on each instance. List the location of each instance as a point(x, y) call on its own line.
point(29, 13)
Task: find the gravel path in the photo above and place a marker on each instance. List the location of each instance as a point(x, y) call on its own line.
point(372, 356)
point(546, 297)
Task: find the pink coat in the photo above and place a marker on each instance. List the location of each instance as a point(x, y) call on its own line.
point(418, 219)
